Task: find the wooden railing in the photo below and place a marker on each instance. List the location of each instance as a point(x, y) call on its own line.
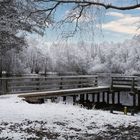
point(30, 84)
point(124, 82)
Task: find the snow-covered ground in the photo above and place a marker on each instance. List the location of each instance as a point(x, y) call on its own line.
point(20, 120)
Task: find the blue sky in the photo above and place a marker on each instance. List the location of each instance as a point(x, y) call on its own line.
point(116, 26)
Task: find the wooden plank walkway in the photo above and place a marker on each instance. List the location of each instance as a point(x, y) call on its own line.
point(66, 92)
point(73, 86)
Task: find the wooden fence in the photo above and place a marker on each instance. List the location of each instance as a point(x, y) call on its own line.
point(31, 84)
point(123, 83)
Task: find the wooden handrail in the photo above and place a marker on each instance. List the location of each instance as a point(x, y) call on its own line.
point(53, 77)
point(125, 81)
point(14, 84)
point(124, 76)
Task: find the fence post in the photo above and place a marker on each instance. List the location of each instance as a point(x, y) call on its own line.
point(37, 84)
point(74, 99)
point(98, 97)
point(113, 98)
point(134, 100)
point(111, 83)
point(0, 86)
point(61, 87)
point(96, 81)
point(93, 97)
point(4, 86)
point(108, 97)
point(82, 97)
point(118, 97)
point(139, 100)
point(133, 84)
point(103, 96)
point(64, 98)
point(79, 83)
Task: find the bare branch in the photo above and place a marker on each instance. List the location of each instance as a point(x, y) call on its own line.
point(93, 3)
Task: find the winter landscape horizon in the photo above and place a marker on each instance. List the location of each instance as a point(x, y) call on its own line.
point(69, 70)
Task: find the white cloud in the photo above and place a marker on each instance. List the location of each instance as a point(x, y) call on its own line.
point(138, 8)
point(115, 14)
point(127, 24)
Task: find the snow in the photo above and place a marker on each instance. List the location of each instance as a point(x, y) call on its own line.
point(64, 119)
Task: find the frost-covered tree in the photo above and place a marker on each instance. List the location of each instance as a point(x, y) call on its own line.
point(13, 21)
point(71, 57)
point(85, 58)
point(118, 58)
point(37, 55)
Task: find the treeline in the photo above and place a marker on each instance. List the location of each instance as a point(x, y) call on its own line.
point(80, 58)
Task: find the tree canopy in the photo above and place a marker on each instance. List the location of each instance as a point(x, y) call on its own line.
point(13, 20)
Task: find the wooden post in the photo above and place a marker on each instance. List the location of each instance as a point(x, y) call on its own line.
point(93, 97)
point(5, 86)
point(111, 83)
point(103, 96)
point(98, 97)
point(79, 83)
point(118, 97)
point(133, 90)
point(133, 84)
point(64, 98)
point(107, 97)
point(74, 99)
point(61, 87)
point(0, 86)
point(111, 110)
point(37, 84)
point(96, 81)
point(113, 98)
point(134, 100)
point(139, 100)
point(81, 97)
point(86, 96)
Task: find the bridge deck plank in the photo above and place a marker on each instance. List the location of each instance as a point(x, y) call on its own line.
point(66, 92)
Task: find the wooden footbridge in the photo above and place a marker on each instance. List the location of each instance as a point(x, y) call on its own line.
point(82, 89)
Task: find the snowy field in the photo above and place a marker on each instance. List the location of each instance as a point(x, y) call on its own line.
point(20, 120)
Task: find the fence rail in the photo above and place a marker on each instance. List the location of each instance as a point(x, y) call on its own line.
point(29, 84)
point(124, 82)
